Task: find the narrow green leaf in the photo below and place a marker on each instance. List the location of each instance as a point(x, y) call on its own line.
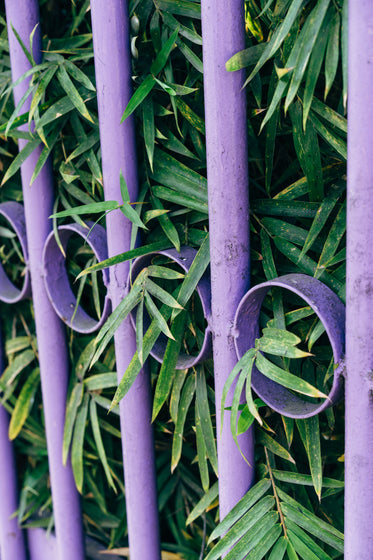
point(300, 539)
point(193, 202)
point(167, 372)
point(265, 543)
point(101, 381)
point(344, 44)
point(244, 526)
point(140, 329)
point(78, 75)
point(184, 31)
point(41, 89)
point(190, 115)
point(162, 57)
point(78, 443)
point(274, 446)
point(73, 93)
point(148, 128)
point(23, 404)
point(157, 316)
point(132, 215)
point(310, 434)
point(166, 224)
point(278, 551)
point(99, 443)
point(203, 412)
point(138, 97)
point(185, 402)
point(207, 499)
point(254, 537)
point(161, 294)
point(27, 53)
point(156, 271)
point(305, 479)
point(332, 53)
point(291, 552)
point(20, 159)
point(277, 345)
point(179, 8)
point(285, 378)
point(245, 58)
point(70, 417)
point(201, 453)
point(304, 48)
point(241, 508)
point(19, 363)
point(338, 144)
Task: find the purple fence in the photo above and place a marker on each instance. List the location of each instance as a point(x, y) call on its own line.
point(233, 320)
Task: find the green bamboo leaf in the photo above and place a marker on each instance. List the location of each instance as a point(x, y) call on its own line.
point(45, 153)
point(278, 551)
point(27, 53)
point(71, 411)
point(23, 404)
point(245, 58)
point(19, 363)
point(127, 256)
point(85, 145)
point(78, 74)
point(310, 435)
point(148, 128)
point(312, 524)
point(132, 215)
point(314, 68)
point(177, 176)
point(78, 443)
point(301, 539)
point(75, 97)
point(286, 208)
point(271, 130)
point(190, 115)
point(207, 499)
point(241, 508)
point(338, 144)
point(156, 271)
point(277, 344)
point(92, 208)
point(192, 202)
point(245, 525)
point(285, 378)
point(140, 329)
point(305, 479)
point(177, 386)
point(157, 316)
point(254, 537)
point(201, 453)
point(274, 446)
point(291, 552)
point(18, 343)
point(138, 97)
point(335, 235)
point(304, 48)
point(41, 89)
point(203, 413)
point(20, 159)
point(179, 8)
point(101, 381)
point(278, 37)
point(191, 57)
point(329, 115)
point(161, 294)
point(332, 53)
point(115, 319)
point(167, 372)
point(308, 152)
point(185, 402)
point(163, 55)
point(184, 31)
point(99, 443)
point(321, 217)
point(166, 224)
point(265, 544)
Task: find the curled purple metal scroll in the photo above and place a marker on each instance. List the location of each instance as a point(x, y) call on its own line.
point(14, 214)
point(57, 282)
point(331, 312)
point(184, 259)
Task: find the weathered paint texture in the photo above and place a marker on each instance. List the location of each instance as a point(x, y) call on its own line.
point(223, 32)
point(359, 300)
point(53, 357)
point(111, 41)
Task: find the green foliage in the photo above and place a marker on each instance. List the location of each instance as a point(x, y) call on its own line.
point(296, 56)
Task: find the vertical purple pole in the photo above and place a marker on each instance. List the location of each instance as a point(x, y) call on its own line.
point(223, 31)
point(53, 357)
point(111, 41)
point(359, 324)
point(11, 538)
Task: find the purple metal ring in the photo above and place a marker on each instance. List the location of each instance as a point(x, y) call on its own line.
point(329, 309)
point(184, 259)
point(57, 282)
point(9, 293)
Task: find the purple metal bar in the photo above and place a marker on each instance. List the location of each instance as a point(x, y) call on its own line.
point(111, 41)
point(53, 357)
point(223, 31)
point(359, 324)
point(11, 538)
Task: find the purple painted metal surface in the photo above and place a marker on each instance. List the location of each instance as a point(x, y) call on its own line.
point(111, 41)
point(329, 309)
point(223, 31)
point(11, 538)
point(57, 281)
point(9, 293)
point(53, 358)
point(359, 298)
point(184, 259)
